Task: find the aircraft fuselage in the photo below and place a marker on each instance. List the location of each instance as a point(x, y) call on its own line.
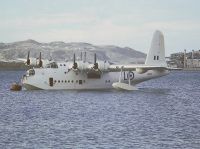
point(63, 78)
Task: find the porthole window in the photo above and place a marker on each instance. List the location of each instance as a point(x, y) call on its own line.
point(58, 81)
point(65, 81)
point(68, 81)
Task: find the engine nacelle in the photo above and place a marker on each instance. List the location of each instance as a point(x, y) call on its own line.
point(82, 65)
point(103, 65)
point(33, 61)
point(140, 70)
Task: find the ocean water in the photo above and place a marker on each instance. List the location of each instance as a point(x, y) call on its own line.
point(163, 114)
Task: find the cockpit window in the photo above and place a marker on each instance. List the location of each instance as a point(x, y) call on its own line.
point(52, 65)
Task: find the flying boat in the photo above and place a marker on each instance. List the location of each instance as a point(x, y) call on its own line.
point(83, 75)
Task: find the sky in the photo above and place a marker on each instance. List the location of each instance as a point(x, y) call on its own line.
point(125, 23)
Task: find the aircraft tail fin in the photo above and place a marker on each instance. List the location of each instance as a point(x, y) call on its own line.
point(156, 54)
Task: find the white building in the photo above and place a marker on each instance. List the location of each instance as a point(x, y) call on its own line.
point(193, 63)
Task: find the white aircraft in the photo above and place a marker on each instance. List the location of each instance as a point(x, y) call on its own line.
point(79, 75)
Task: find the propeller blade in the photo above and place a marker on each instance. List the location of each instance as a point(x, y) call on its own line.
point(28, 59)
point(95, 58)
point(28, 55)
point(74, 58)
point(40, 56)
point(84, 57)
point(95, 61)
point(75, 65)
point(81, 56)
point(40, 60)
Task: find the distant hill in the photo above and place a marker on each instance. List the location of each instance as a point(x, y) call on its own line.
point(61, 51)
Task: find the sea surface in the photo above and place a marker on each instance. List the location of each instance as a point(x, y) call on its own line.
point(163, 114)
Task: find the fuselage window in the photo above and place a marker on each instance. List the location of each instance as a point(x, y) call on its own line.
point(154, 57)
point(80, 82)
point(62, 81)
point(68, 81)
point(54, 81)
point(72, 81)
point(157, 57)
point(64, 65)
point(65, 81)
point(58, 81)
point(60, 64)
point(107, 81)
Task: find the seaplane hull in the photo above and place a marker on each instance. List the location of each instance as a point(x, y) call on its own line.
point(46, 79)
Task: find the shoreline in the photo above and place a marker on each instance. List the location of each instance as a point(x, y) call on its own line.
point(191, 69)
point(13, 66)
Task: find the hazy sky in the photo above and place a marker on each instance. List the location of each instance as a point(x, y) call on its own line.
point(117, 22)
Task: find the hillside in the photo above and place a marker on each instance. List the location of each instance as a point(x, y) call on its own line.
point(61, 51)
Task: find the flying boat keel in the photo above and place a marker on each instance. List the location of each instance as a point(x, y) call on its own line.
point(124, 86)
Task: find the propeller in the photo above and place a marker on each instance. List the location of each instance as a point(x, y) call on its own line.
point(40, 60)
point(84, 60)
point(75, 65)
point(81, 56)
point(94, 72)
point(95, 62)
point(28, 59)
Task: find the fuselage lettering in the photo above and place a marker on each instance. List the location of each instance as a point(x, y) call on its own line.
point(128, 74)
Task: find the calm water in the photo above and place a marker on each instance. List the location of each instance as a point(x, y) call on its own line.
point(163, 114)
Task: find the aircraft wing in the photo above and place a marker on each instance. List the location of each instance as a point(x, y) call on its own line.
point(34, 61)
point(22, 59)
point(117, 68)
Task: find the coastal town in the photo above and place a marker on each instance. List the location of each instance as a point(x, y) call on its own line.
point(187, 59)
